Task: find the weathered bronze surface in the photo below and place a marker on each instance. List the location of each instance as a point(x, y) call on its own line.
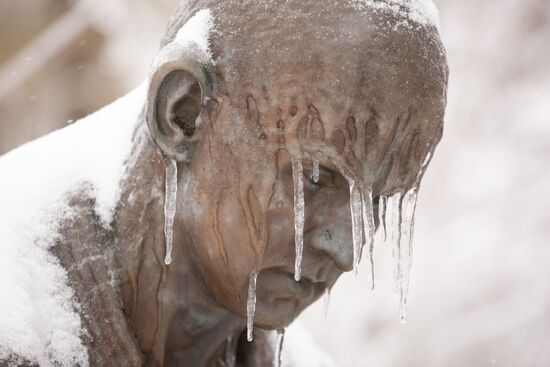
point(351, 89)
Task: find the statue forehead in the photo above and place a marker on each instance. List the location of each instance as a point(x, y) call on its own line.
point(321, 50)
point(342, 62)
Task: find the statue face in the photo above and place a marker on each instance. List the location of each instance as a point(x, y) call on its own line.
point(244, 217)
point(239, 191)
point(367, 107)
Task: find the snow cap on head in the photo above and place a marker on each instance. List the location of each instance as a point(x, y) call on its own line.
point(197, 30)
point(423, 12)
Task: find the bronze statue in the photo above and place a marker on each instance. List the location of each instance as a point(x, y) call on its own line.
point(249, 154)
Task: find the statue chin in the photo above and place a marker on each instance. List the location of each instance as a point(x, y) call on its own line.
point(281, 298)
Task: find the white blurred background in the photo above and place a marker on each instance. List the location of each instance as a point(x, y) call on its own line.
point(480, 283)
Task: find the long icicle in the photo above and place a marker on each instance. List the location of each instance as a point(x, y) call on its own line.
point(299, 207)
point(382, 216)
point(171, 189)
point(326, 303)
point(393, 223)
point(369, 227)
point(408, 206)
point(251, 305)
point(230, 357)
point(278, 360)
point(356, 223)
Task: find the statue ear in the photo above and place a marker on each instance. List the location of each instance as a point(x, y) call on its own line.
point(178, 89)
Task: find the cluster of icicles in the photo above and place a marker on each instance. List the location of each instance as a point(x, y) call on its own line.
point(396, 218)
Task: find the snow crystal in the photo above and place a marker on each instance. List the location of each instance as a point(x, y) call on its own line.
point(38, 318)
point(423, 12)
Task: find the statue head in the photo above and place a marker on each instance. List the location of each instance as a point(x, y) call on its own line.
point(279, 88)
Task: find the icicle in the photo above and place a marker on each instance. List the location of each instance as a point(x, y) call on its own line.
point(278, 360)
point(251, 305)
point(408, 206)
point(298, 178)
point(230, 357)
point(382, 216)
point(426, 160)
point(171, 189)
point(315, 171)
point(423, 167)
point(393, 222)
point(326, 302)
point(356, 223)
point(368, 224)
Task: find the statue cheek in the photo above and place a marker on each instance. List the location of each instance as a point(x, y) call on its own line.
point(225, 249)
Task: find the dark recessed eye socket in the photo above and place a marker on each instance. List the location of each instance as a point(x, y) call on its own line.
point(308, 174)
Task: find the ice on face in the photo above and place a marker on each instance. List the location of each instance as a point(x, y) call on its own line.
point(230, 353)
point(326, 302)
point(251, 305)
point(382, 216)
point(278, 360)
point(393, 221)
point(369, 227)
point(171, 189)
point(315, 171)
point(356, 222)
point(400, 223)
point(299, 207)
point(408, 206)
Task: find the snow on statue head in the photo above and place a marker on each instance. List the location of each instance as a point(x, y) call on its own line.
point(278, 136)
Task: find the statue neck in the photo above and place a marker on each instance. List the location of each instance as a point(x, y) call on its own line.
point(176, 319)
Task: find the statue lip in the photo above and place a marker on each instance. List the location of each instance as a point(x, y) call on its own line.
point(305, 288)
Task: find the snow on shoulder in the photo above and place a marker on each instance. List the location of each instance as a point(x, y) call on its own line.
point(38, 318)
point(422, 12)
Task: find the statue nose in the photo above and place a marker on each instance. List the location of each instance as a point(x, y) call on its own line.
point(334, 244)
